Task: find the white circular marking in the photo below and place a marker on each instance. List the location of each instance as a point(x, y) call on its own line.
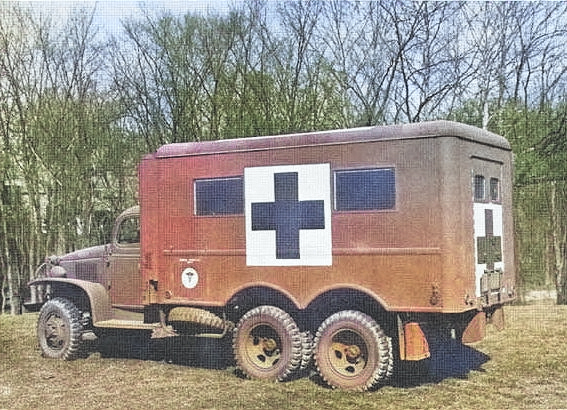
point(189, 278)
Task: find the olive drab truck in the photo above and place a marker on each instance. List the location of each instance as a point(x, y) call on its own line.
point(334, 250)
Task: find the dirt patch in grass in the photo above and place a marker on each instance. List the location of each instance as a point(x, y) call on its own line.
point(524, 366)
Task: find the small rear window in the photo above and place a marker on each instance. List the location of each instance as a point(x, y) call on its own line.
point(364, 190)
point(479, 188)
point(219, 196)
point(494, 190)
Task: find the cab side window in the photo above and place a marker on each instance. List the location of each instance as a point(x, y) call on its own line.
point(129, 231)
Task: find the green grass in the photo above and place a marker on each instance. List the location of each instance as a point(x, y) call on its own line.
point(524, 366)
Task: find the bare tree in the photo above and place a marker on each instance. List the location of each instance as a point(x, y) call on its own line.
point(56, 128)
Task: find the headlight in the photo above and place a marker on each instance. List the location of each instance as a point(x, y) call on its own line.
point(57, 272)
point(53, 260)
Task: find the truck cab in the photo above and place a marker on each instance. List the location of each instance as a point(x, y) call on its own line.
point(115, 266)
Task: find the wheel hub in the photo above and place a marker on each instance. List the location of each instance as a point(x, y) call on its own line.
point(347, 359)
point(264, 352)
point(55, 331)
point(352, 352)
point(269, 344)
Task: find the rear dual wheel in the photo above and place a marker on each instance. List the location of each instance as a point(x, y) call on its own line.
point(268, 345)
point(353, 352)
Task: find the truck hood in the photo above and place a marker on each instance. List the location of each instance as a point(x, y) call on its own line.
point(87, 253)
point(86, 264)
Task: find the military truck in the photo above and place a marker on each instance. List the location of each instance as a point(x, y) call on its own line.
point(332, 249)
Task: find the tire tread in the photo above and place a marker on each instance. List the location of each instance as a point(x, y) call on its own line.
point(385, 365)
point(74, 348)
point(291, 330)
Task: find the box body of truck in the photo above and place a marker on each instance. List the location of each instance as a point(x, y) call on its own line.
point(409, 215)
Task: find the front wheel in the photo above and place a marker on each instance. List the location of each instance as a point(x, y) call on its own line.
point(353, 352)
point(267, 344)
point(59, 330)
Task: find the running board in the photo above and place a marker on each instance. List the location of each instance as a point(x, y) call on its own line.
point(158, 331)
point(126, 324)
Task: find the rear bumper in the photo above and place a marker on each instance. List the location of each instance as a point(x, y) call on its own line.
point(495, 289)
point(417, 331)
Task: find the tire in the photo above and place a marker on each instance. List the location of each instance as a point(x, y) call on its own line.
point(307, 350)
point(59, 330)
point(267, 344)
point(352, 352)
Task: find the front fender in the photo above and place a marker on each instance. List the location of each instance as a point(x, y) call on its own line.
point(96, 295)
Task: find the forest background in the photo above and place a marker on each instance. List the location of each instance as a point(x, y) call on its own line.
point(79, 108)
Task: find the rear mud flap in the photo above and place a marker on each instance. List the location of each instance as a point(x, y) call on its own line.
point(476, 329)
point(496, 317)
point(413, 343)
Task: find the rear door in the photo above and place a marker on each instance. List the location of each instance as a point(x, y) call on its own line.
point(488, 226)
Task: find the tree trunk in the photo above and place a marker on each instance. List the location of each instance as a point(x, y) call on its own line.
point(13, 291)
point(559, 238)
point(3, 293)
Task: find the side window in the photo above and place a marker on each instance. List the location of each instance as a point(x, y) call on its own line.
point(129, 231)
point(482, 194)
point(219, 196)
point(366, 189)
point(479, 188)
point(494, 190)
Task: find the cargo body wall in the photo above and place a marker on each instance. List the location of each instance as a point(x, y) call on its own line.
point(415, 253)
point(462, 161)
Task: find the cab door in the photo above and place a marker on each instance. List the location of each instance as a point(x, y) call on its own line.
point(125, 280)
point(488, 226)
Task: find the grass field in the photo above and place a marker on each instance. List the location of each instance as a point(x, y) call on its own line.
point(524, 366)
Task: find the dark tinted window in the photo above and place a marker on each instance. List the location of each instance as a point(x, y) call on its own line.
point(129, 231)
point(494, 190)
point(368, 189)
point(479, 188)
point(219, 196)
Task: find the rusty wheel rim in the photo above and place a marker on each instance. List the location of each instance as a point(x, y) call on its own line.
point(348, 353)
point(263, 347)
point(56, 332)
